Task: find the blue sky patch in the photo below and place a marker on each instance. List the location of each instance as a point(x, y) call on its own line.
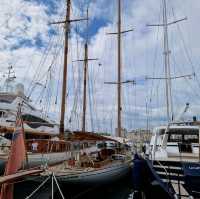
point(22, 43)
point(94, 26)
point(39, 42)
point(52, 32)
point(50, 4)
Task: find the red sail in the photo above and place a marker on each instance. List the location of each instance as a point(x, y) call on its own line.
point(16, 158)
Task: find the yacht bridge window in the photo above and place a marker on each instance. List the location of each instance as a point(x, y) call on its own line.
point(35, 122)
point(7, 98)
point(185, 138)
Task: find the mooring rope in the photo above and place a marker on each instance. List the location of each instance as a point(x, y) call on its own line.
point(38, 188)
point(53, 178)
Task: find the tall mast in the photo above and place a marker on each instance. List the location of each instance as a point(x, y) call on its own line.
point(85, 88)
point(64, 86)
point(167, 65)
point(85, 60)
point(119, 107)
point(85, 79)
point(66, 23)
point(168, 78)
point(119, 75)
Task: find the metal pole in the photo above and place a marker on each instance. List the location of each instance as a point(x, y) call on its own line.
point(52, 188)
point(169, 101)
point(64, 86)
point(166, 53)
point(119, 69)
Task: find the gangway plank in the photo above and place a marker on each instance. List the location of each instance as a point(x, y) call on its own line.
point(21, 174)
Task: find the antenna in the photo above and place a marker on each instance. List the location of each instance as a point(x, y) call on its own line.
point(180, 117)
point(10, 77)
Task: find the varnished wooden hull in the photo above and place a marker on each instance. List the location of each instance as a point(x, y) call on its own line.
point(100, 176)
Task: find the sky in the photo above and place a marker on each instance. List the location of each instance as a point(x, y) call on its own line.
point(34, 47)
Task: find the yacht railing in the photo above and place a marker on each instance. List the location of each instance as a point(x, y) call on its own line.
point(47, 146)
point(165, 170)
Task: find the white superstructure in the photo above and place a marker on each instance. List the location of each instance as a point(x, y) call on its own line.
point(11, 95)
point(175, 142)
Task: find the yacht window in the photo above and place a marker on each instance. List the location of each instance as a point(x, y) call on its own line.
point(183, 137)
point(101, 145)
point(175, 137)
point(35, 122)
point(7, 99)
point(191, 138)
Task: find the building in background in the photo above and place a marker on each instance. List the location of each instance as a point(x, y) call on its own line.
point(139, 138)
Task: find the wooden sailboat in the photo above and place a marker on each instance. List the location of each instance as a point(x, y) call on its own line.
point(108, 160)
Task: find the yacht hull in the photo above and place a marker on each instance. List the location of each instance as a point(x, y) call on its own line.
point(168, 179)
point(100, 176)
point(83, 177)
point(147, 183)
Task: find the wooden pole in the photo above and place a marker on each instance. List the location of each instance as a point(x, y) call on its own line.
point(64, 86)
point(85, 87)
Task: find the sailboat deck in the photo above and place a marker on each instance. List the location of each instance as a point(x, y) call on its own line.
point(64, 170)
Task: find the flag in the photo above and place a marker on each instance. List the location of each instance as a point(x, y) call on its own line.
point(16, 157)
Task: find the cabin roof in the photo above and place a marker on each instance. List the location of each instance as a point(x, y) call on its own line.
point(87, 136)
point(5, 130)
point(178, 127)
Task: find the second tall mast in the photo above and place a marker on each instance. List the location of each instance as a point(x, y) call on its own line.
point(119, 108)
point(64, 85)
point(66, 23)
point(119, 73)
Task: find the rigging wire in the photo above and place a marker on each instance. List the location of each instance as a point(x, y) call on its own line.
point(46, 53)
point(74, 117)
point(152, 85)
point(53, 63)
point(188, 57)
point(187, 51)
